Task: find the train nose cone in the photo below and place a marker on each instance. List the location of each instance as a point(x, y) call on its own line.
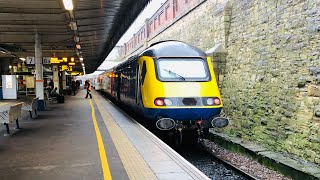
point(165, 124)
point(220, 122)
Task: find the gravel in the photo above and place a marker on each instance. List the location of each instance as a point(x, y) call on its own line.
point(209, 166)
point(244, 163)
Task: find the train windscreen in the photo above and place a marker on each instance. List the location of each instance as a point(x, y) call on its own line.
point(182, 69)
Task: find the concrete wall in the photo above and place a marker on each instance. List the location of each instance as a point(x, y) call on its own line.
point(270, 85)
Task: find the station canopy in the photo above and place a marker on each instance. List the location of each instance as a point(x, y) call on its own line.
point(90, 30)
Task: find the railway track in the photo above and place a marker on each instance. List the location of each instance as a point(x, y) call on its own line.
point(206, 161)
point(242, 173)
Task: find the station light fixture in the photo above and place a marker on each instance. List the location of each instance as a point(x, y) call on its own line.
point(3, 51)
point(73, 25)
point(68, 5)
point(81, 59)
point(72, 59)
point(22, 59)
point(76, 39)
point(78, 46)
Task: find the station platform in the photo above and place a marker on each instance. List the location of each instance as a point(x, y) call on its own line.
point(88, 139)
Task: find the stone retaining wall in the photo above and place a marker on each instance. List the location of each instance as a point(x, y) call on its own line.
point(271, 78)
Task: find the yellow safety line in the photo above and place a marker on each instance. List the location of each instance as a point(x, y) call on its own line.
point(134, 164)
point(1, 104)
point(103, 156)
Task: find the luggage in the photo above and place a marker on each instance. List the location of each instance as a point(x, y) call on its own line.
point(60, 99)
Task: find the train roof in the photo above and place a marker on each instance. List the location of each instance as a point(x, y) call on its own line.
point(172, 49)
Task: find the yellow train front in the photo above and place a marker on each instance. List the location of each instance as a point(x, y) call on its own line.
point(172, 84)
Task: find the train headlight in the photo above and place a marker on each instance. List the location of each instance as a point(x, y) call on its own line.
point(163, 102)
point(217, 101)
point(159, 102)
point(168, 102)
point(213, 101)
point(210, 101)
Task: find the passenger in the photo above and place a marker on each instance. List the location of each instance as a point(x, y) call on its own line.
point(54, 92)
point(50, 86)
point(86, 84)
point(73, 87)
point(89, 87)
point(78, 84)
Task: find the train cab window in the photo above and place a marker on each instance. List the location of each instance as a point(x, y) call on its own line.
point(143, 72)
point(182, 69)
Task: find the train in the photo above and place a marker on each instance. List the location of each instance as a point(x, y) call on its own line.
point(172, 84)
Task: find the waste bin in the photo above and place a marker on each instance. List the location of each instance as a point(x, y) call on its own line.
point(60, 98)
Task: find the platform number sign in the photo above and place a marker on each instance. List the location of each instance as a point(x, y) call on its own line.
point(46, 60)
point(30, 60)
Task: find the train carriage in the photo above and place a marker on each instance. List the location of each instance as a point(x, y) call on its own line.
point(172, 84)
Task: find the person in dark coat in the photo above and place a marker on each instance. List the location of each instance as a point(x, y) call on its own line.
point(51, 85)
point(78, 84)
point(73, 87)
point(89, 87)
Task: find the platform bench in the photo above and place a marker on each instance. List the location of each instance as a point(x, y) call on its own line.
point(31, 107)
point(11, 115)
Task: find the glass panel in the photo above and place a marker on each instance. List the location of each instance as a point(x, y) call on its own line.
point(182, 69)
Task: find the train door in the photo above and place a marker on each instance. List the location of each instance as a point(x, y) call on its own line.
point(142, 75)
point(138, 94)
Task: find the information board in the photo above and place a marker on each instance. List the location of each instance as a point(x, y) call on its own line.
point(30, 81)
point(9, 86)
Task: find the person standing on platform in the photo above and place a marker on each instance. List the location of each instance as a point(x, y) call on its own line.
point(78, 84)
point(73, 87)
point(89, 87)
point(50, 86)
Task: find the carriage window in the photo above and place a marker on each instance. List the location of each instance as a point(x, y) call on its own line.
point(181, 69)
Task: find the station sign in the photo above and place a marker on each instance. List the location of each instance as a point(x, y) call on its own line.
point(54, 61)
point(46, 60)
point(66, 68)
point(30, 60)
point(76, 74)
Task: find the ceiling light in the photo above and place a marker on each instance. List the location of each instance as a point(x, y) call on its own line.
point(78, 46)
point(76, 39)
point(3, 51)
point(22, 59)
point(68, 5)
point(81, 59)
point(73, 25)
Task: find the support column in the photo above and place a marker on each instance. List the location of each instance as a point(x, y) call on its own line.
point(55, 78)
point(39, 72)
point(64, 80)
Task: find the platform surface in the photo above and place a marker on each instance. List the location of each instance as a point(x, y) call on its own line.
point(87, 139)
